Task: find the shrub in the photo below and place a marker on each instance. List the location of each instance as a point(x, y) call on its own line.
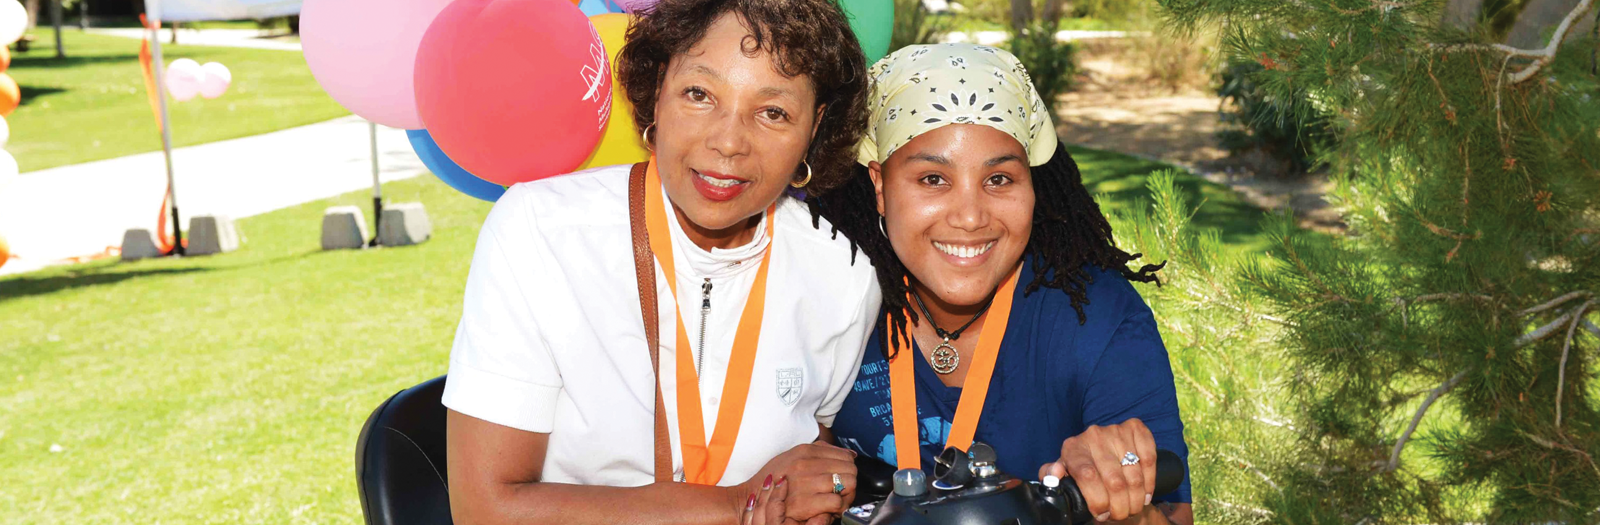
point(1260, 122)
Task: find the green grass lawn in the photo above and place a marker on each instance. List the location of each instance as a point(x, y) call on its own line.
point(231, 388)
point(1118, 183)
point(92, 105)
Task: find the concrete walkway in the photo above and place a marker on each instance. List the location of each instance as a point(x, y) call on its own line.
point(69, 211)
point(251, 38)
point(996, 38)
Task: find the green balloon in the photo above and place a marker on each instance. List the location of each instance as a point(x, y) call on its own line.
point(873, 22)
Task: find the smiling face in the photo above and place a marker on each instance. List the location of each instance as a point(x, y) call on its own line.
point(958, 206)
point(731, 131)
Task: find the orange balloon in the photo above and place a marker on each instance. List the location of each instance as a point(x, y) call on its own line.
point(5, 58)
point(10, 95)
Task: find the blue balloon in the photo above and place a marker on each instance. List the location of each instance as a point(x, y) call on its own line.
point(448, 171)
point(598, 7)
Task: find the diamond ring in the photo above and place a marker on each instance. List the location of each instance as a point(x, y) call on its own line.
point(838, 485)
point(1129, 459)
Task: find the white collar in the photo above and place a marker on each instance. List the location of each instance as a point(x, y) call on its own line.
point(717, 263)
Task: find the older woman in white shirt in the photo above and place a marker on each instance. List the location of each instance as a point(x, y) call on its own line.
point(551, 394)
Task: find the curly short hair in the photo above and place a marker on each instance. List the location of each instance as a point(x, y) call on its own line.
point(804, 37)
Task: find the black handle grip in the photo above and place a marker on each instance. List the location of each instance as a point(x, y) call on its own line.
point(874, 480)
point(1170, 472)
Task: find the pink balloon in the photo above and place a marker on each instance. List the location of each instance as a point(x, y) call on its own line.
point(363, 53)
point(216, 80)
point(514, 90)
point(183, 79)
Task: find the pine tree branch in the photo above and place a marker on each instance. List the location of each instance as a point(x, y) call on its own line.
point(1549, 51)
point(1252, 468)
point(1241, 508)
point(1566, 348)
point(1538, 334)
point(1540, 57)
point(1403, 304)
point(1394, 456)
point(1559, 446)
point(1385, 5)
point(1555, 302)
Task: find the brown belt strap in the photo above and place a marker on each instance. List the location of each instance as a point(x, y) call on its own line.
point(644, 266)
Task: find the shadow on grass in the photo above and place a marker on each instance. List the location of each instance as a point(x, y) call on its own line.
point(30, 92)
point(1119, 180)
point(51, 62)
point(29, 286)
point(111, 272)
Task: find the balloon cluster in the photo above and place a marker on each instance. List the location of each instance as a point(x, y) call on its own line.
point(187, 78)
point(497, 92)
point(13, 23)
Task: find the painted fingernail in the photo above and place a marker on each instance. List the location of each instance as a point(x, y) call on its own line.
point(782, 480)
point(750, 503)
point(1103, 516)
point(767, 485)
point(1147, 498)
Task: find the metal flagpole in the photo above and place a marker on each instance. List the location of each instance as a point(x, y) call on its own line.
point(153, 8)
point(377, 189)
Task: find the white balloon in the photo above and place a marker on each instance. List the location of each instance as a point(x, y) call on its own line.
point(5, 132)
point(8, 169)
point(216, 80)
point(183, 78)
point(183, 64)
point(13, 21)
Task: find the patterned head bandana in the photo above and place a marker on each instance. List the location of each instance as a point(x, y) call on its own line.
point(922, 88)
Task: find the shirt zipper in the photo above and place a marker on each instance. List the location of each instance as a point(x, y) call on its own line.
point(705, 313)
point(700, 356)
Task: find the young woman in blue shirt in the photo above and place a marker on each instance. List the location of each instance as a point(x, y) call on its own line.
point(1008, 316)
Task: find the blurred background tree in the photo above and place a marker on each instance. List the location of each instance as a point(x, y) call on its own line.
point(1439, 357)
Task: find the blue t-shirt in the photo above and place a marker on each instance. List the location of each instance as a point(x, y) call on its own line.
point(1052, 380)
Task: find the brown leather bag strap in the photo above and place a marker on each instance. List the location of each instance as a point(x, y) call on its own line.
point(644, 266)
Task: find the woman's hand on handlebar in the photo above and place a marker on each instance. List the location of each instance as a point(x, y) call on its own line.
point(1093, 459)
point(808, 471)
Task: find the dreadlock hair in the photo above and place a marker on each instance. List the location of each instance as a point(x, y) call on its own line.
point(1069, 233)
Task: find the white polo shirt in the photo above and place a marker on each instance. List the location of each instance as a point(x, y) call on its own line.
point(551, 339)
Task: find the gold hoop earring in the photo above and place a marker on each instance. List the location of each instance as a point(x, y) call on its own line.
point(644, 136)
point(803, 183)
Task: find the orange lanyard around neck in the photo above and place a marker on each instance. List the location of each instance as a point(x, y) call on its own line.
point(704, 464)
point(903, 388)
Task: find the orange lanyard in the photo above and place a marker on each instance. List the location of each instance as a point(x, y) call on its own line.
point(702, 464)
point(903, 388)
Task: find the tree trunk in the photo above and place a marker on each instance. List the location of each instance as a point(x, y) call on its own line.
point(1531, 31)
point(33, 12)
point(1052, 10)
point(55, 21)
point(1462, 14)
point(1021, 14)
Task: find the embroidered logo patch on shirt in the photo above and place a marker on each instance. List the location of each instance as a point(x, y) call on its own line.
point(790, 382)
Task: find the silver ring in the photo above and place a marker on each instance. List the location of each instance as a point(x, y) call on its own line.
point(838, 485)
point(1130, 459)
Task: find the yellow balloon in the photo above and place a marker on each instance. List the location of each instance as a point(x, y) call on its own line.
point(620, 143)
